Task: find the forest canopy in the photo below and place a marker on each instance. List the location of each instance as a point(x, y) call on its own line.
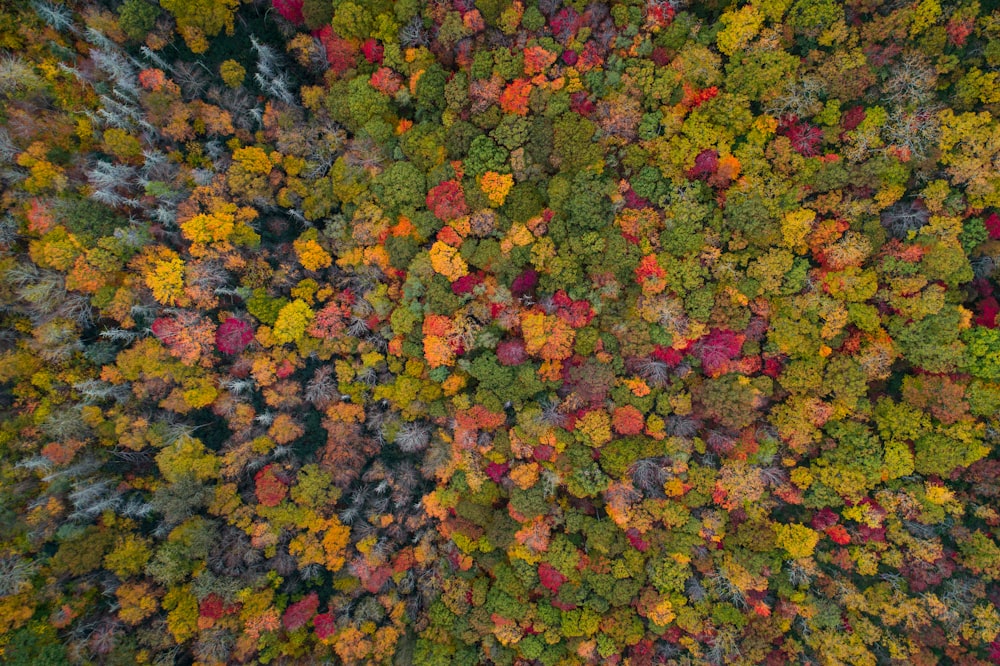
point(513, 332)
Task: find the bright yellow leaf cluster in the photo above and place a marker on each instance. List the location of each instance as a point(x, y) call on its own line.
point(253, 160)
point(447, 261)
point(292, 322)
point(44, 174)
point(232, 73)
point(546, 336)
point(518, 236)
point(214, 227)
point(311, 254)
point(182, 619)
point(166, 279)
point(334, 544)
point(797, 539)
point(740, 27)
point(794, 228)
point(662, 613)
point(496, 186)
point(595, 428)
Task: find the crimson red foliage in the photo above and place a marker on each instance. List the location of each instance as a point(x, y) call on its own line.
point(565, 23)
point(543, 453)
point(299, 613)
point(880, 55)
point(290, 10)
point(447, 201)
point(876, 534)
point(668, 355)
point(550, 577)
point(633, 200)
point(635, 538)
point(805, 138)
point(466, 283)
point(705, 164)
point(660, 12)
point(852, 118)
point(340, 53)
point(325, 624)
point(212, 607)
point(824, 518)
point(233, 336)
point(988, 310)
point(923, 575)
point(373, 51)
point(496, 471)
point(717, 348)
point(579, 103)
point(993, 226)
point(524, 283)
point(575, 313)
point(660, 57)
point(773, 365)
point(591, 56)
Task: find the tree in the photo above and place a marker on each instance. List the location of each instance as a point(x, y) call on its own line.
point(547, 337)
point(447, 261)
point(298, 614)
point(447, 201)
point(311, 254)
point(496, 187)
point(732, 400)
point(798, 540)
point(983, 352)
point(627, 420)
point(967, 140)
point(270, 486)
point(486, 155)
point(187, 456)
point(198, 19)
point(233, 336)
point(232, 73)
point(514, 98)
point(136, 18)
point(739, 27)
point(292, 322)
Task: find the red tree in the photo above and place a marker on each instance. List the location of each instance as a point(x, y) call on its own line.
point(447, 201)
point(299, 613)
point(271, 489)
point(290, 10)
point(232, 336)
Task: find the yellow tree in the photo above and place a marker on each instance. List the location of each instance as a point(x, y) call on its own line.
point(292, 322)
point(547, 336)
point(163, 272)
point(198, 19)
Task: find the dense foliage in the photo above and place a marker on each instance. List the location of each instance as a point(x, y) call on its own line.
point(500, 332)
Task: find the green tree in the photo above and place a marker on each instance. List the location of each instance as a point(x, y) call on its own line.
point(137, 17)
